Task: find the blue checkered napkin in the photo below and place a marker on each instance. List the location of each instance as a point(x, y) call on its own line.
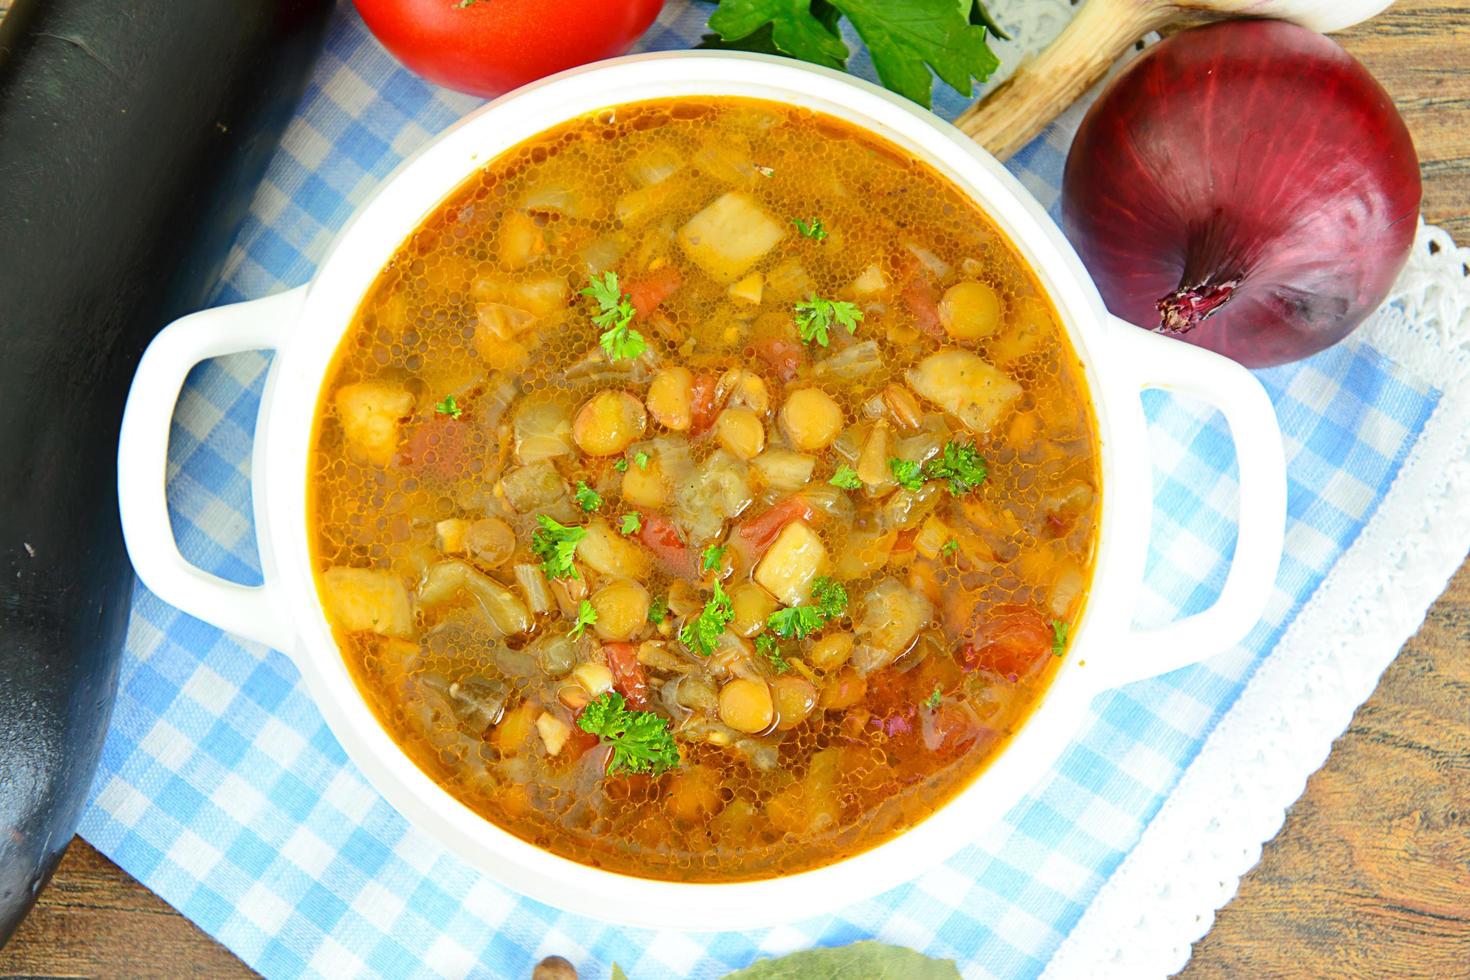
point(222, 790)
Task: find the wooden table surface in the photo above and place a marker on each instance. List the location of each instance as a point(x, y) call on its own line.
point(1370, 876)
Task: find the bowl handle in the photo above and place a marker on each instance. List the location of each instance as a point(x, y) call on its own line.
point(1172, 365)
point(142, 458)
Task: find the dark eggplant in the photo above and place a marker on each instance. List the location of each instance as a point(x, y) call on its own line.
point(132, 137)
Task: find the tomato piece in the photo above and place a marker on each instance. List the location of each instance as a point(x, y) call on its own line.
point(647, 293)
point(1009, 640)
point(438, 447)
point(785, 357)
point(702, 410)
point(629, 678)
point(758, 532)
point(488, 47)
point(919, 296)
point(660, 536)
point(951, 729)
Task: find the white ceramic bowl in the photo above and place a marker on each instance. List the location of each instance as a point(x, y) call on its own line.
point(304, 326)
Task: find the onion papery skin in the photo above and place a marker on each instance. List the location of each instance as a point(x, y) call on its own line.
point(1247, 186)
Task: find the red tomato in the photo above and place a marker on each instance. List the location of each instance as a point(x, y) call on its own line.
point(627, 673)
point(785, 357)
point(438, 447)
point(1010, 641)
point(703, 411)
point(660, 536)
point(488, 47)
point(646, 294)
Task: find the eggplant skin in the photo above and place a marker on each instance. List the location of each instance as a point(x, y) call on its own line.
point(131, 142)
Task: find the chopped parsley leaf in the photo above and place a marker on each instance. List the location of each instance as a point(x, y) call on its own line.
point(960, 464)
point(815, 318)
point(949, 547)
point(658, 609)
point(640, 459)
point(630, 523)
point(556, 545)
point(830, 596)
point(713, 556)
point(621, 466)
point(846, 478)
point(810, 229)
point(586, 616)
point(615, 315)
point(1059, 631)
point(703, 632)
point(449, 407)
point(796, 623)
point(640, 740)
point(587, 498)
point(766, 646)
point(932, 701)
point(910, 475)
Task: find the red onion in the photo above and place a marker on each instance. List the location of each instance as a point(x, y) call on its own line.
point(1246, 186)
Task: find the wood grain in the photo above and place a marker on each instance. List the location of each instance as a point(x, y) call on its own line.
point(1369, 877)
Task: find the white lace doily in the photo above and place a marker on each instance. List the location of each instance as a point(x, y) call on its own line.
point(1233, 797)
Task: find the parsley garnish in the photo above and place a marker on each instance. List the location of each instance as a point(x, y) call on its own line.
point(767, 647)
point(630, 523)
point(658, 609)
point(556, 545)
point(932, 701)
point(799, 622)
point(810, 229)
point(615, 315)
point(621, 466)
point(949, 547)
point(587, 498)
point(586, 616)
point(905, 40)
point(766, 172)
point(701, 633)
point(640, 459)
point(449, 407)
point(815, 318)
point(640, 740)
point(1059, 631)
point(960, 464)
point(846, 478)
point(713, 556)
point(910, 475)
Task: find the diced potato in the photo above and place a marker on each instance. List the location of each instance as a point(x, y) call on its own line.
point(970, 310)
point(450, 535)
point(866, 550)
point(596, 678)
point(870, 282)
point(671, 398)
point(554, 732)
point(789, 281)
point(729, 236)
point(966, 386)
point(784, 469)
point(540, 297)
point(622, 609)
point(740, 431)
point(726, 158)
point(640, 205)
point(646, 486)
point(811, 419)
point(608, 553)
point(752, 606)
point(795, 558)
point(1028, 325)
point(749, 289)
point(890, 616)
point(655, 165)
point(608, 423)
point(365, 599)
point(521, 240)
point(370, 413)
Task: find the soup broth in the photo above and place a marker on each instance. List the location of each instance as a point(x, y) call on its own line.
point(705, 491)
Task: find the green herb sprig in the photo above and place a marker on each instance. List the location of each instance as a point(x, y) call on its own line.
point(640, 740)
